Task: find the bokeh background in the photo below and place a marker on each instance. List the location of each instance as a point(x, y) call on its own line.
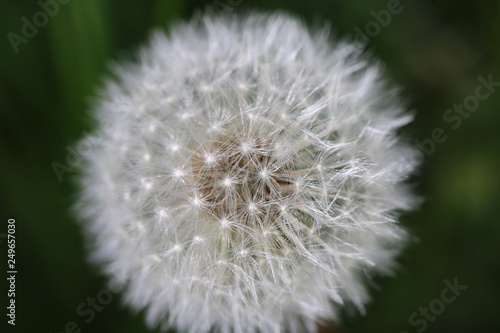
point(435, 50)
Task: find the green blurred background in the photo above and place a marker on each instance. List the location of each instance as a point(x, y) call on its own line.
point(436, 50)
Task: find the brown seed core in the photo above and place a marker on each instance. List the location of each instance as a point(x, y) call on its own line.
point(241, 180)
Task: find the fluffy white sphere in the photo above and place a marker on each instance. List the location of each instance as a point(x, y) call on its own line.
point(248, 176)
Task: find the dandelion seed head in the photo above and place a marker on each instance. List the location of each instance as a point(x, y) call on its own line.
point(257, 177)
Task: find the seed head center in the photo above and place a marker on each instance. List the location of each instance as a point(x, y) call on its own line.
point(241, 180)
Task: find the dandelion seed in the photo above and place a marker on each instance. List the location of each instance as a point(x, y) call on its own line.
point(162, 213)
point(209, 158)
point(197, 202)
point(224, 222)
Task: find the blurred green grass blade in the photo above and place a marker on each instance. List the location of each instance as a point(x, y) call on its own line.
point(80, 46)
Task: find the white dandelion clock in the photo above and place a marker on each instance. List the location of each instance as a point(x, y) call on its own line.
point(249, 177)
